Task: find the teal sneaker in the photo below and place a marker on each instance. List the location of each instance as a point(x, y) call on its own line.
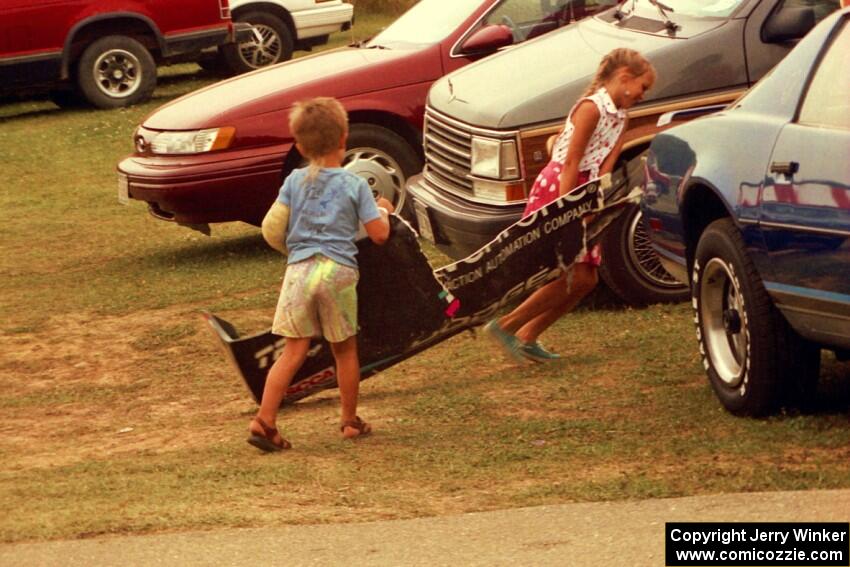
point(506, 341)
point(537, 352)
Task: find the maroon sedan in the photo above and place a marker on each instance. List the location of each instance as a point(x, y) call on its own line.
point(220, 154)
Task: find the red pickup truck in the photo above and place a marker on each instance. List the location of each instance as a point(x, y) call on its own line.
point(105, 52)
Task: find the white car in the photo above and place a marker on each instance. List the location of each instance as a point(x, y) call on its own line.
point(280, 27)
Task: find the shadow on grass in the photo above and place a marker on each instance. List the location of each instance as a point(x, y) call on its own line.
point(329, 398)
point(833, 395)
point(32, 104)
point(177, 78)
point(246, 247)
point(397, 394)
point(602, 298)
point(26, 108)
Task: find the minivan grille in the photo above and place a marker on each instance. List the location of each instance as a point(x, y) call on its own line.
point(448, 153)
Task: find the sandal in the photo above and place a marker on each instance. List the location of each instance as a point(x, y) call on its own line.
point(361, 426)
point(266, 442)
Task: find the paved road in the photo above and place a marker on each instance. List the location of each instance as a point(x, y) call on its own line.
point(605, 533)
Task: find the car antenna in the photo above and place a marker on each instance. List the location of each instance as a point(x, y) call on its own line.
point(619, 14)
point(663, 9)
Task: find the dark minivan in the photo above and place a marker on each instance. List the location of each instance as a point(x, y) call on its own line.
point(486, 125)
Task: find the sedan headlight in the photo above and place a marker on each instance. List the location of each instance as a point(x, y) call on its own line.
point(494, 159)
point(193, 141)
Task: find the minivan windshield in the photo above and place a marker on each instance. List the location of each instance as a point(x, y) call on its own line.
point(693, 8)
point(427, 22)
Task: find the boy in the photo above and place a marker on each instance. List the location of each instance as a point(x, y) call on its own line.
point(315, 221)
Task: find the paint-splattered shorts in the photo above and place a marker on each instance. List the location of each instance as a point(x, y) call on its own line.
point(318, 298)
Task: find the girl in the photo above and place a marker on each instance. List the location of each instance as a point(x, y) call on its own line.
point(587, 148)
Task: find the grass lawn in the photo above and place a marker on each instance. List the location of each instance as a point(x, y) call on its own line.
point(118, 414)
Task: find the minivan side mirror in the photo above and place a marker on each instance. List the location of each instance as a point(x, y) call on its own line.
point(788, 24)
point(488, 39)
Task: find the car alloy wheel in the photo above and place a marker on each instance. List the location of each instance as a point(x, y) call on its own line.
point(380, 171)
point(385, 160)
point(724, 322)
point(754, 360)
point(266, 48)
point(272, 43)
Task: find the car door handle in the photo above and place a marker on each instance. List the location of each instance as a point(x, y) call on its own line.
point(785, 167)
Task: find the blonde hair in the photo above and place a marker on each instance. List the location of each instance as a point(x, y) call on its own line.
point(622, 57)
point(318, 124)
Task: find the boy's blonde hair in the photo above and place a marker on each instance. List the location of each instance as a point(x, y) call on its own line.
point(622, 57)
point(318, 125)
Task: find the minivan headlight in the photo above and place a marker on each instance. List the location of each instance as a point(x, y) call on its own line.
point(192, 141)
point(494, 159)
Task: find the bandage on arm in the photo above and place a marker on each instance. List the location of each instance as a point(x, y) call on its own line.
point(275, 225)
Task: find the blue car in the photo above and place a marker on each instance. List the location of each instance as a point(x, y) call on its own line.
point(751, 205)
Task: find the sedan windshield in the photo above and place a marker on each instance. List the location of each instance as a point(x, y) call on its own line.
point(429, 21)
point(693, 8)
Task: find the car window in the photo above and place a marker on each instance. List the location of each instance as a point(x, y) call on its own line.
point(427, 22)
point(517, 11)
point(530, 18)
point(827, 102)
point(693, 8)
point(821, 8)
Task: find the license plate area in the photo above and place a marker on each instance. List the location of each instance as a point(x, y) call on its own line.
point(123, 189)
point(424, 221)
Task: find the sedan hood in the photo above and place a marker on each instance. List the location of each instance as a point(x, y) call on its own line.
point(338, 73)
point(539, 81)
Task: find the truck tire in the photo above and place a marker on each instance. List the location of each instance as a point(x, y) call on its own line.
point(630, 267)
point(273, 43)
point(754, 360)
point(384, 159)
point(116, 71)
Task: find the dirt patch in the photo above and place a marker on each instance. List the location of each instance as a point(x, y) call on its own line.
point(147, 405)
point(80, 387)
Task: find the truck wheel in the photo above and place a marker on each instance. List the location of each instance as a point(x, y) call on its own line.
point(753, 358)
point(116, 71)
point(272, 43)
point(631, 268)
point(384, 159)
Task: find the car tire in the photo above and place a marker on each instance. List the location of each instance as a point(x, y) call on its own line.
point(631, 269)
point(754, 360)
point(116, 71)
point(385, 160)
point(276, 45)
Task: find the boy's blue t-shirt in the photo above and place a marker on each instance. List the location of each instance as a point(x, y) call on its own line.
point(325, 213)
